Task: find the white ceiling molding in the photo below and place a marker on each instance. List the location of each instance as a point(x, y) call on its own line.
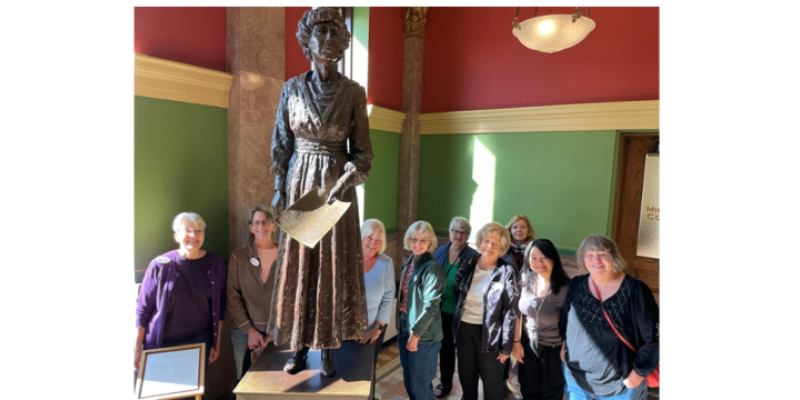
point(385, 119)
point(170, 80)
point(573, 117)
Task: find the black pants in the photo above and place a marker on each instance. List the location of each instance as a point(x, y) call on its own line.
point(447, 355)
point(472, 362)
point(540, 377)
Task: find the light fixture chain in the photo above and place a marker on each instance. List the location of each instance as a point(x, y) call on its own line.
point(577, 14)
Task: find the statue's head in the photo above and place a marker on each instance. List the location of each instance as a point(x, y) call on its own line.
point(333, 21)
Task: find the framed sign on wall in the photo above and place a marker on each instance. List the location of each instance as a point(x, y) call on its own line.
point(649, 239)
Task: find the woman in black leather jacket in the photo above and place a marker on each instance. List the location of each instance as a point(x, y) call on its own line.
point(486, 314)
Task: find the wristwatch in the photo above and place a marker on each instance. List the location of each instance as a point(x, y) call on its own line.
point(381, 327)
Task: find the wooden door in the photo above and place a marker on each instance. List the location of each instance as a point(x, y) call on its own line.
point(630, 181)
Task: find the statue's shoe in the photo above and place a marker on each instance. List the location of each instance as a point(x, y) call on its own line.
point(326, 367)
point(296, 363)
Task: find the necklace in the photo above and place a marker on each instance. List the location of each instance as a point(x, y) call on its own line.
point(537, 307)
point(535, 304)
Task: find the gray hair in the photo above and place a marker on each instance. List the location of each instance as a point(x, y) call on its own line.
point(371, 226)
point(184, 218)
point(494, 227)
point(313, 17)
point(423, 228)
point(600, 243)
point(461, 222)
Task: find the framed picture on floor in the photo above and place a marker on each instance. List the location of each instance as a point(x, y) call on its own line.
point(172, 372)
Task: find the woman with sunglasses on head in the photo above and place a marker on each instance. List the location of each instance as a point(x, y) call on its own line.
point(537, 342)
point(419, 324)
point(449, 256)
point(250, 288)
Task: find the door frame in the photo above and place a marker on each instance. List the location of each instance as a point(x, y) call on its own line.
point(621, 180)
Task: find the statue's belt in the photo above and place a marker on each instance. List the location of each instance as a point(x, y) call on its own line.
point(328, 148)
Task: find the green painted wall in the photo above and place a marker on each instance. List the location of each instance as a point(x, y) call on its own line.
point(180, 164)
point(380, 191)
point(563, 181)
point(361, 25)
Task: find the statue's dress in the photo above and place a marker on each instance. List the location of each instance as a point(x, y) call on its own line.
point(321, 132)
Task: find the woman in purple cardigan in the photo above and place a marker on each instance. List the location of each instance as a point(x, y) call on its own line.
point(182, 297)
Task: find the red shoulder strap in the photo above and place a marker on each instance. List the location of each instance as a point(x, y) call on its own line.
point(609, 319)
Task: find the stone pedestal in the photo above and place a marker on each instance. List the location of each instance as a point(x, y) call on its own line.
point(267, 380)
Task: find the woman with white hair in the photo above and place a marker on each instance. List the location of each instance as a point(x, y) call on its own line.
point(182, 297)
point(486, 314)
point(379, 281)
point(419, 323)
point(609, 326)
point(449, 256)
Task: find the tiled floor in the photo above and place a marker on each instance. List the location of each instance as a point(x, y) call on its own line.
point(389, 378)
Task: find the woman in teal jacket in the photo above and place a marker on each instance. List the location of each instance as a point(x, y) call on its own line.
point(419, 322)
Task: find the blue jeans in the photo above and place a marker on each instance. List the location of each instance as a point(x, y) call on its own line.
point(419, 367)
point(241, 353)
point(574, 392)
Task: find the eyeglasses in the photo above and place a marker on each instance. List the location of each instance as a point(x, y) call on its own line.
point(458, 232)
point(259, 223)
point(196, 232)
point(373, 241)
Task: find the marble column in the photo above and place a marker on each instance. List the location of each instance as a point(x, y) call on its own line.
point(256, 61)
point(408, 191)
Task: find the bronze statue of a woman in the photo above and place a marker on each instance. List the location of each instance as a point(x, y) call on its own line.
point(321, 138)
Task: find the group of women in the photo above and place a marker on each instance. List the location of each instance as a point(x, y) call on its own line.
point(592, 337)
point(510, 298)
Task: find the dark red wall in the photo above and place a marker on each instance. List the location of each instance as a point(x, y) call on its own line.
point(197, 36)
point(386, 57)
point(296, 63)
point(473, 62)
point(191, 35)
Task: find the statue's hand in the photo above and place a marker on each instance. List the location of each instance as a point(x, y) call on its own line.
point(279, 201)
point(337, 192)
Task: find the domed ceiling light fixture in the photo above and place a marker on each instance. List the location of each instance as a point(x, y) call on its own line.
point(552, 33)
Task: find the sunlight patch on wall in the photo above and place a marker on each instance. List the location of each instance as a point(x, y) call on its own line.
point(359, 66)
point(483, 173)
point(360, 195)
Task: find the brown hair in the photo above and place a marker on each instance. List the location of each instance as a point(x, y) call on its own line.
point(266, 210)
